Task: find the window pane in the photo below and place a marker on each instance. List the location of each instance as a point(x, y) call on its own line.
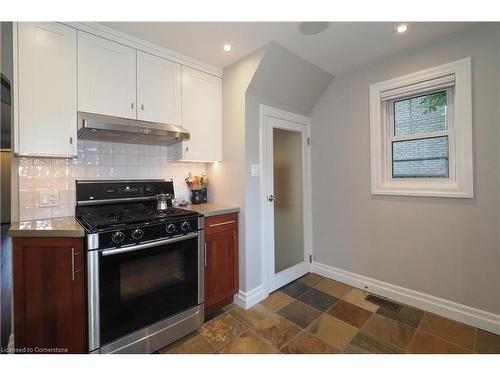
point(420, 114)
point(420, 158)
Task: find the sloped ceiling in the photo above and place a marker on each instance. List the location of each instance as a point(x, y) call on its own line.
point(287, 79)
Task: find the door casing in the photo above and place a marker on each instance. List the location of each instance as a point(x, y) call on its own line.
point(302, 124)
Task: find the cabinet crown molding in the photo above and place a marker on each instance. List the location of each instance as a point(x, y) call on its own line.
point(145, 46)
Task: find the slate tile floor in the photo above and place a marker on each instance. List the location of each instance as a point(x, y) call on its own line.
point(316, 315)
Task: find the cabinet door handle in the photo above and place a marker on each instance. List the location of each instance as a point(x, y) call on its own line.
point(132, 105)
point(223, 223)
point(205, 250)
point(73, 271)
point(142, 107)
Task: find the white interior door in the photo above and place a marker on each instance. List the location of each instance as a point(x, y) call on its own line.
point(287, 197)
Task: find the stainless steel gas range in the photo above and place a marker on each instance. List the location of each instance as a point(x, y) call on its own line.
point(144, 265)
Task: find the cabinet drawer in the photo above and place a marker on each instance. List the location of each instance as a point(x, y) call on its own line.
point(220, 223)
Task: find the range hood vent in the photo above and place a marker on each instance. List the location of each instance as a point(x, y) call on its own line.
point(116, 129)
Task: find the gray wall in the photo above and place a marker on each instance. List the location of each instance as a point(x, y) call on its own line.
point(272, 76)
point(446, 247)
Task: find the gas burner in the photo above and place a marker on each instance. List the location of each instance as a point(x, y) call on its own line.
point(118, 217)
point(119, 209)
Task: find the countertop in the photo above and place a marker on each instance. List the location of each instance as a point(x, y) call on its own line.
point(69, 227)
point(212, 209)
point(60, 227)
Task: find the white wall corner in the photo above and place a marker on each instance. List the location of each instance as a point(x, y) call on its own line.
point(453, 310)
point(250, 298)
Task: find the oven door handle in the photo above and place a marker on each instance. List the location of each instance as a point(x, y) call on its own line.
point(148, 245)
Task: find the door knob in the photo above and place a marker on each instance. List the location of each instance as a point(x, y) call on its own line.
point(272, 198)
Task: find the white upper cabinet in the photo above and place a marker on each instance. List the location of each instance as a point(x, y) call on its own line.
point(106, 77)
point(60, 70)
point(201, 116)
point(158, 89)
point(45, 119)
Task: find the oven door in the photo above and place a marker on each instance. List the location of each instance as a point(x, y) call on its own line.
point(144, 284)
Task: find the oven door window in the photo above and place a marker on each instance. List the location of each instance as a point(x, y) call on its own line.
point(142, 287)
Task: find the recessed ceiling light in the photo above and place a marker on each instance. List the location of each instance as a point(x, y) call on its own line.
point(402, 28)
point(227, 47)
point(313, 28)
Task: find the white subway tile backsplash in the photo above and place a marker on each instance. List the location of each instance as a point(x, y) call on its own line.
point(105, 147)
point(105, 172)
point(42, 182)
point(91, 146)
point(26, 182)
point(91, 159)
point(95, 160)
point(119, 160)
point(119, 148)
point(143, 149)
point(64, 196)
point(76, 171)
point(26, 197)
point(59, 183)
point(131, 160)
point(143, 160)
point(91, 172)
point(42, 212)
point(132, 172)
point(106, 159)
point(26, 213)
point(119, 172)
point(60, 211)
point(131, 149)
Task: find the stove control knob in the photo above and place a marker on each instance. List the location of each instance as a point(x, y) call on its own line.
point(171, 228)
point(117, 237)
point(185, 226)
point(137, 234)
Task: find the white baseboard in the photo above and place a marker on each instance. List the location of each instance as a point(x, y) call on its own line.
point(250, 298)
point(453, 310)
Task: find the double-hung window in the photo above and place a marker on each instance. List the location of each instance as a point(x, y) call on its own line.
point(421, 133)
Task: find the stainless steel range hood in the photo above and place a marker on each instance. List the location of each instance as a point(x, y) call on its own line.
point(116, 129)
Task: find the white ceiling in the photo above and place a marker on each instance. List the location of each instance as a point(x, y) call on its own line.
point(344, 46)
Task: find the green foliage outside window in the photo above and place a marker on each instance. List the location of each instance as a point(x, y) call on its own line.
point(434, 101)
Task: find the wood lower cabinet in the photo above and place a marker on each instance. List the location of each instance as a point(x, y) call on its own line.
point(221, 265)
point(49, 305)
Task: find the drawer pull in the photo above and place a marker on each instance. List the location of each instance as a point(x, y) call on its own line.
point(73, 271)
point(219, 224)
point(205, 252)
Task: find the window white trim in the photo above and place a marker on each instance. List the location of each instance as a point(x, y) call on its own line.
point(460, 181)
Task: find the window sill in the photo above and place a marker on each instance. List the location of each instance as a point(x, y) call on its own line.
point(431, 189)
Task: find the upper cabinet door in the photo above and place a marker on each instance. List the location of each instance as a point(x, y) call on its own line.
point(106, 77)
point(46, 118)
point(158, 89)
point(201, 115)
